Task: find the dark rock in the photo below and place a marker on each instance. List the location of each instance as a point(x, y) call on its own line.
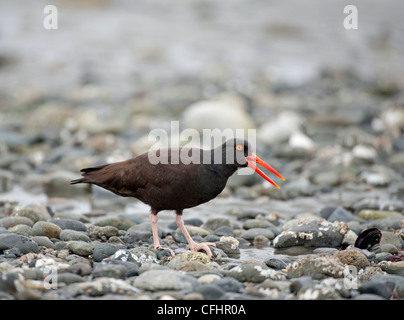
point(380, 288)
point(229, 284)
point(134, 236)
point(103, 250)
point(278, 262)
point(368, 238)
point(157, 280)
point(43, 241)
point(22, 243)
point(71, 224)
point(327, 211)
point(211, 291)
point(341, 214)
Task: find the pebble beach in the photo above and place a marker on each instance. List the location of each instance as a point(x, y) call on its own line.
point(329, 118)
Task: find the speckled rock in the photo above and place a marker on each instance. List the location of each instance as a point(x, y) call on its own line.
point(392, 267)
point(313, 233)
point(352, 257)
point(194, 256)
point(254, 273)
point(318, 267)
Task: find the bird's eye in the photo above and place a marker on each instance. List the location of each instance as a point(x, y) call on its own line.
point(239, 147)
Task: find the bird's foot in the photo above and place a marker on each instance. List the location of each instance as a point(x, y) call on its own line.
point(158, 247)
point(202, 246)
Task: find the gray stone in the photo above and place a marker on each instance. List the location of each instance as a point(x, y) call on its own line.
point(256, 223)
point(68, 278)
point(81, 248)
point(341, 214)
point(103, 250)
point(254, 273)
point(73, 235)
point(119, 223)
point(252, 233)
point(134, 236)
point(22, 243)
point(211, 291)
point(229, 284)
point(380, 288)
point(278, 262)
point(214, 223)
point(158, 280)
point(8, 222)
point(224, 231)
point(43, 241)
point(109, 270)
point(71, 224)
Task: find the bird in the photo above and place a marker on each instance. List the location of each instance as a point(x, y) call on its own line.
point(159, 179)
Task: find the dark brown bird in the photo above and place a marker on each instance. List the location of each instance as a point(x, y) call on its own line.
point(176, 179)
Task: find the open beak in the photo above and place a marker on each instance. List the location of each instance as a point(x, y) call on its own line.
point(254, 158)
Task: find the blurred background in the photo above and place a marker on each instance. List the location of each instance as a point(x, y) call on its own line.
point(327, 103)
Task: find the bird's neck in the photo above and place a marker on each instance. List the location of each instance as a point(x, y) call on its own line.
point(215, 159)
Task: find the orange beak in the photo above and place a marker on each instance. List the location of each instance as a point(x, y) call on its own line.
point(254, 158)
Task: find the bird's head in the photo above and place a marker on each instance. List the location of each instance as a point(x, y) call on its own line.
point(239, 152)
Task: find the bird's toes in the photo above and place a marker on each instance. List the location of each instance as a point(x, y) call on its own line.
point(204, 246)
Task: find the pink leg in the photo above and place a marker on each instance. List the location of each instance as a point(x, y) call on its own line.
point(192, 244)
point(156, 242)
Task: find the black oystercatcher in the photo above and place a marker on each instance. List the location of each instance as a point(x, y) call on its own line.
point(173, 184)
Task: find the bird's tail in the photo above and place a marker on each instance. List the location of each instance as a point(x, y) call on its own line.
point(87, 174)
